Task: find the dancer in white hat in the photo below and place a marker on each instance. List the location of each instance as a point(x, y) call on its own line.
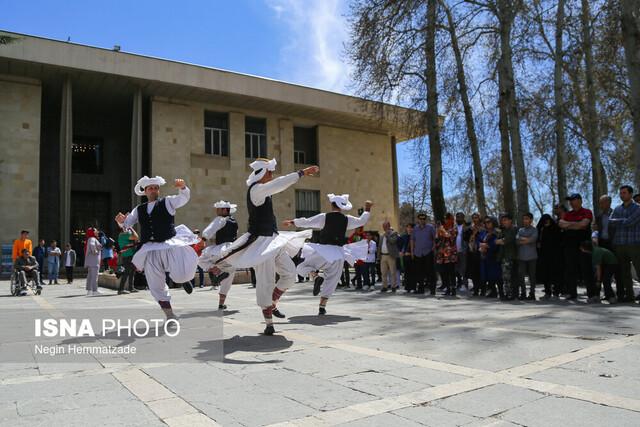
point(262, 247)
point(330, 253)
point(165, 247)
point(223, 229)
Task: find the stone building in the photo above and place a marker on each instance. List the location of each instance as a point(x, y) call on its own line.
point(79, 125)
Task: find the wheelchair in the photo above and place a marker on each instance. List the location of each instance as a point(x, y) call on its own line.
point(32, 283)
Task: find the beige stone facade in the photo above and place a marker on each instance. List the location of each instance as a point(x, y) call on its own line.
point(20, 155)
point(353, 162)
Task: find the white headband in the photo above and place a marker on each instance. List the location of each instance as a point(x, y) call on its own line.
point(145, 181)
point(341, 200)
point(223, 204)
point(260, 168)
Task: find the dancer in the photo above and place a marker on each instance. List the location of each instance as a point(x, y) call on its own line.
point(165, 247)
point(223, 229)
point(262, 247)
point(331, 252)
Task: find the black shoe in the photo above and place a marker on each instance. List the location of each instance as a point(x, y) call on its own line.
point(215, 280)
point(316, 285)
point(269, 330)
point(393, 290)
point(133, 290)
point(222, 307)
point(322, 311)
point(442, 287)
point(187, 287)
point(383, 290)
point(278, 314)
point(531, 297)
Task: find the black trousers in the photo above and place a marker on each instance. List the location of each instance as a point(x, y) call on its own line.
point(69, 274)
point(424, 269)
point(409, 275)
point(129, 271)
point(577, 265)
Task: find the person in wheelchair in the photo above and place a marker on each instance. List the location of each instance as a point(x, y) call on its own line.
point(26, 267)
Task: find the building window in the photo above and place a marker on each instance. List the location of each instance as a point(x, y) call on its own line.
point(216, 134)
point(305, 146)
point(255, 137)
point(307, 203)
point(87, 155)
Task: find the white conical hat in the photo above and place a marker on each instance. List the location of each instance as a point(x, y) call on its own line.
point(223, 204)
point(260, 167)
point(145, 181)
point(341, 200)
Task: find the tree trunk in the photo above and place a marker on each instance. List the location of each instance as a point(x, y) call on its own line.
point(433, 125)
point(599, 177)
point(561, 151)
point(507, 11)
point(508, 197)
point(478, 179)
point(630, 17)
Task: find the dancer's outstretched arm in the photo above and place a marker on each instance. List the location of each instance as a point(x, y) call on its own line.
point(315, 222)
point(355, 222)
point(260, 192)
point(214, 227)
point(179, 200)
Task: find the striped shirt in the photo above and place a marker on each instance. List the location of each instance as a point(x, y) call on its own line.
point(626, 220)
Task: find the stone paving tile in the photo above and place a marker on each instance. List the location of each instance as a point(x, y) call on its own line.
point(378, 383)
point(434, 416)
point(489, 401)
point(383, 420)
point(555, 411)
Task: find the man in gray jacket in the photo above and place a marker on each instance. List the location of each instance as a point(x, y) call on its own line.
point(388, 254)
point(69, 261)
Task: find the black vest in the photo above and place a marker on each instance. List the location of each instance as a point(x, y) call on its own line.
point(157, 226)
point(262, 221)
point(335, 228)
point(228, 233)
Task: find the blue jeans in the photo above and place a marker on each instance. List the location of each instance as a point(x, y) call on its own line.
point(53, 270)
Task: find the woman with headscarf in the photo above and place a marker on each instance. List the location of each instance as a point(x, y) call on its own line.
point(92, 251)
point(447, 253)
point(549, 268)
point(490, 269)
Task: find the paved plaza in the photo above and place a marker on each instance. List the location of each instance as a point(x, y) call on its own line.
point(375, 360)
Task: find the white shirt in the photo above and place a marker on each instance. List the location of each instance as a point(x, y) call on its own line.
point(171, 202)
point(210, 232)
point(260, 192)
point(383, 248)
point(317, 222)
point(67, 257)
point(371, 252)
point(459, 238)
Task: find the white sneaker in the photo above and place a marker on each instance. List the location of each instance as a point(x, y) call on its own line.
point(97, 292)
point(89, 293)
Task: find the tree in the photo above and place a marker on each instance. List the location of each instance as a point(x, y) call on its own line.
point(630, 22)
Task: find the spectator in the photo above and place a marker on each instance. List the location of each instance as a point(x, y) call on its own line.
point(368, 269)
point(92, 250)
point(508, 256)
point(490, 270)
point(107, 250)
point(602, 231)
point(446, 253)
point(463, 232)
point(69, 261)
point(626, 240)
point(605, 265)
point(388, 254)
point(359, 265)
point(27, 267)
point(405, 256)
point(473, 255)
point(550, 269)
point(53, 261)
point(636, 198)
point(559, 211)
point(422, 246)
point(40, 253)
point(22, 243)
point(527, 239)
point(127, 239)
point(576, 228)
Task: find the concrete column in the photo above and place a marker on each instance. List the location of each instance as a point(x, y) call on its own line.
point(66, 146)
point(136, 144)
point(396, 195)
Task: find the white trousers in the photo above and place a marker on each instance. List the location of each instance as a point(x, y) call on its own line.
point(179, 261)
point(225, 285)
point(332, 272)
point(266, 277)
